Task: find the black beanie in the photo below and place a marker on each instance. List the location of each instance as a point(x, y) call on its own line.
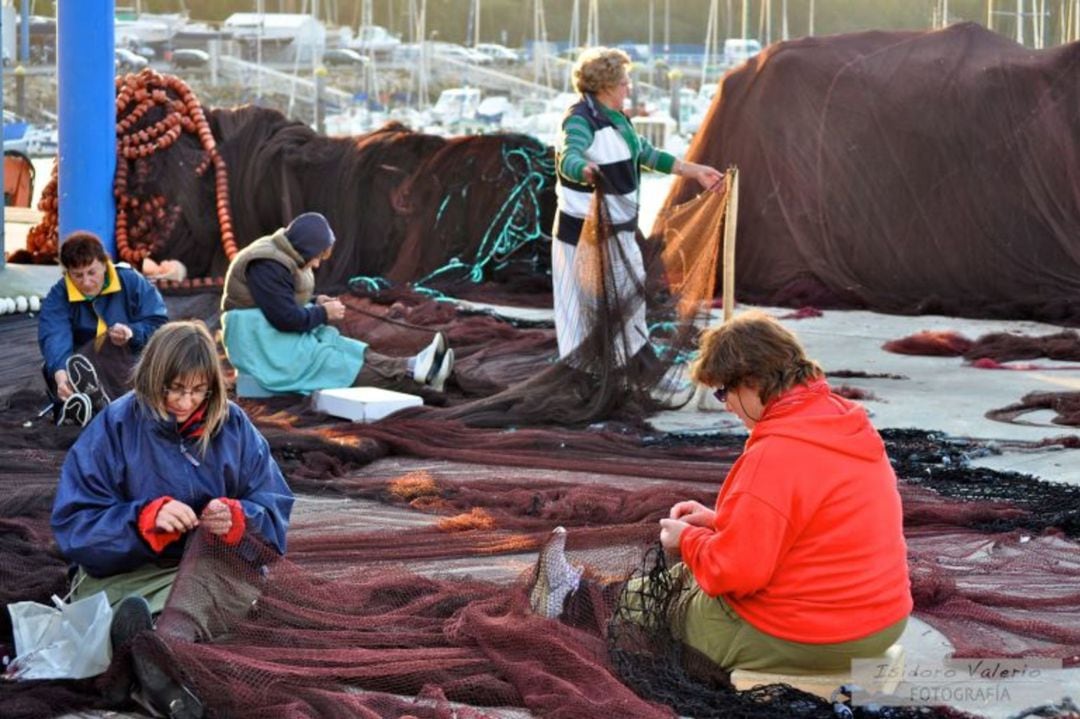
point(310, 235)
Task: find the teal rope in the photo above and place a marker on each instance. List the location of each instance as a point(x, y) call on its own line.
point(372, 285)
point(515, 224)
point(663, 349)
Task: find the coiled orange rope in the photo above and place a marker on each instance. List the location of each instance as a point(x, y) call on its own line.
point(143, 223)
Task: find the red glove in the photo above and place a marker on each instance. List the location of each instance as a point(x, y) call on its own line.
point(239, 521)
point(156, 538)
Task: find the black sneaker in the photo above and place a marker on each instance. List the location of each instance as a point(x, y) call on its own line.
point(131, 617)
point(77, 409)
point(84, 378)
point(161, 691)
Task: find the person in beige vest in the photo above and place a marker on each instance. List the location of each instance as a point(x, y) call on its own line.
point(277, 331)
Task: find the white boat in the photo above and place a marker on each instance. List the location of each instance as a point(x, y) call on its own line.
point(29, 139)
point(456, 104)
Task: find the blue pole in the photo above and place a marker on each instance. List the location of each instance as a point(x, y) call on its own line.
point(87, 110)
point(3, 247)
point(24, 32)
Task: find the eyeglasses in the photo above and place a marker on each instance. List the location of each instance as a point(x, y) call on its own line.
point(721, 394)
point(178, 393)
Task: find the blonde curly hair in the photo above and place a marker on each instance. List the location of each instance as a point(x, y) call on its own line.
point(599, 68)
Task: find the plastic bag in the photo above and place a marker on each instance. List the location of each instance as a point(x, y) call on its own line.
point(68, 641)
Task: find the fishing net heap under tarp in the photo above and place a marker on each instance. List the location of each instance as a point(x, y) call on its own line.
point(402, 204)
point(905, 172)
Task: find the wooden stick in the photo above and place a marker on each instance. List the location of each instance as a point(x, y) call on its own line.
point(731, 219)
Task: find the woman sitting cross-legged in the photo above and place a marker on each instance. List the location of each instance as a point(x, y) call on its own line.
point(171, 456)
point(801, 566)
point(276, 330)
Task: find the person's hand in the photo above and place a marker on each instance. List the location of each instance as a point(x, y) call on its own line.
point(694, 513)
point(216, 517)
point(120, 334)
point(63, 384)
point(708, 177)
point(590, 173)
point(335, 310)
point(671, 532)
point(175, 516)
point(321, 300)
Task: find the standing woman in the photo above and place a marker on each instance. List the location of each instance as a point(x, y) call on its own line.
point(599, 143)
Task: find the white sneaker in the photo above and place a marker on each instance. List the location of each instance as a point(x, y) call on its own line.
point(445, 368)
point(556, 578)
point(84, 378)
point(77, 409)
point(429, 360)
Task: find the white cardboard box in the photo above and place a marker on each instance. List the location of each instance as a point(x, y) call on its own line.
point(363, 404)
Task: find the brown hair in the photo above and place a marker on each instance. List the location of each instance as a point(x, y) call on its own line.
point(80, 248)
point(178, 350)
point(753, 349)
point(599, 68)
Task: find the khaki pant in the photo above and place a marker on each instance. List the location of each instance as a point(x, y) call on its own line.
point(216, 598)
point(713, 628)
point(387, 372)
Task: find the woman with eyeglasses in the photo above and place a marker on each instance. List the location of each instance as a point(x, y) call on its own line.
point(801, 566)
point(172, 456)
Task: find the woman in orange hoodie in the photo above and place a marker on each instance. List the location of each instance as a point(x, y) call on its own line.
point(801, 566)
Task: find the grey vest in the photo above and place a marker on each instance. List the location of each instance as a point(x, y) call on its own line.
point(274, 247)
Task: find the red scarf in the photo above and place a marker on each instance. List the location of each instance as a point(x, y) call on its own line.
point(193, 426)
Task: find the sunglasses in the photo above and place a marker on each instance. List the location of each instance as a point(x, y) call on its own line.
point(721, 394)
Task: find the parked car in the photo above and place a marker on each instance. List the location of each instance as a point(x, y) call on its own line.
point(458, 52)
point(499, 54)
point(127, 61)
point(375, 41)
point(190, 57)
point(344, 57)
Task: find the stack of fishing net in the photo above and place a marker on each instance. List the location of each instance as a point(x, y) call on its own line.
point(905, 172)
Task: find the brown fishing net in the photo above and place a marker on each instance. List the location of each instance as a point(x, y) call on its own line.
point(362, 620)
point(904, 172)
point(414, 541)
point(993, 351)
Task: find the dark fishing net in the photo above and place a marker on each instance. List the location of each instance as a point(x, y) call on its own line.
point(364, 621)
point(1064, 405)
point(930, 172)
point(606, 377)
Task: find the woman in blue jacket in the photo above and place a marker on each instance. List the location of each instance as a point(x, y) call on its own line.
point(170, 456)
point(95, 319)
point(167, 458)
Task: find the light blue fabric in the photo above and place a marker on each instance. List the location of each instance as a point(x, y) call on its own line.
point(290, 361)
